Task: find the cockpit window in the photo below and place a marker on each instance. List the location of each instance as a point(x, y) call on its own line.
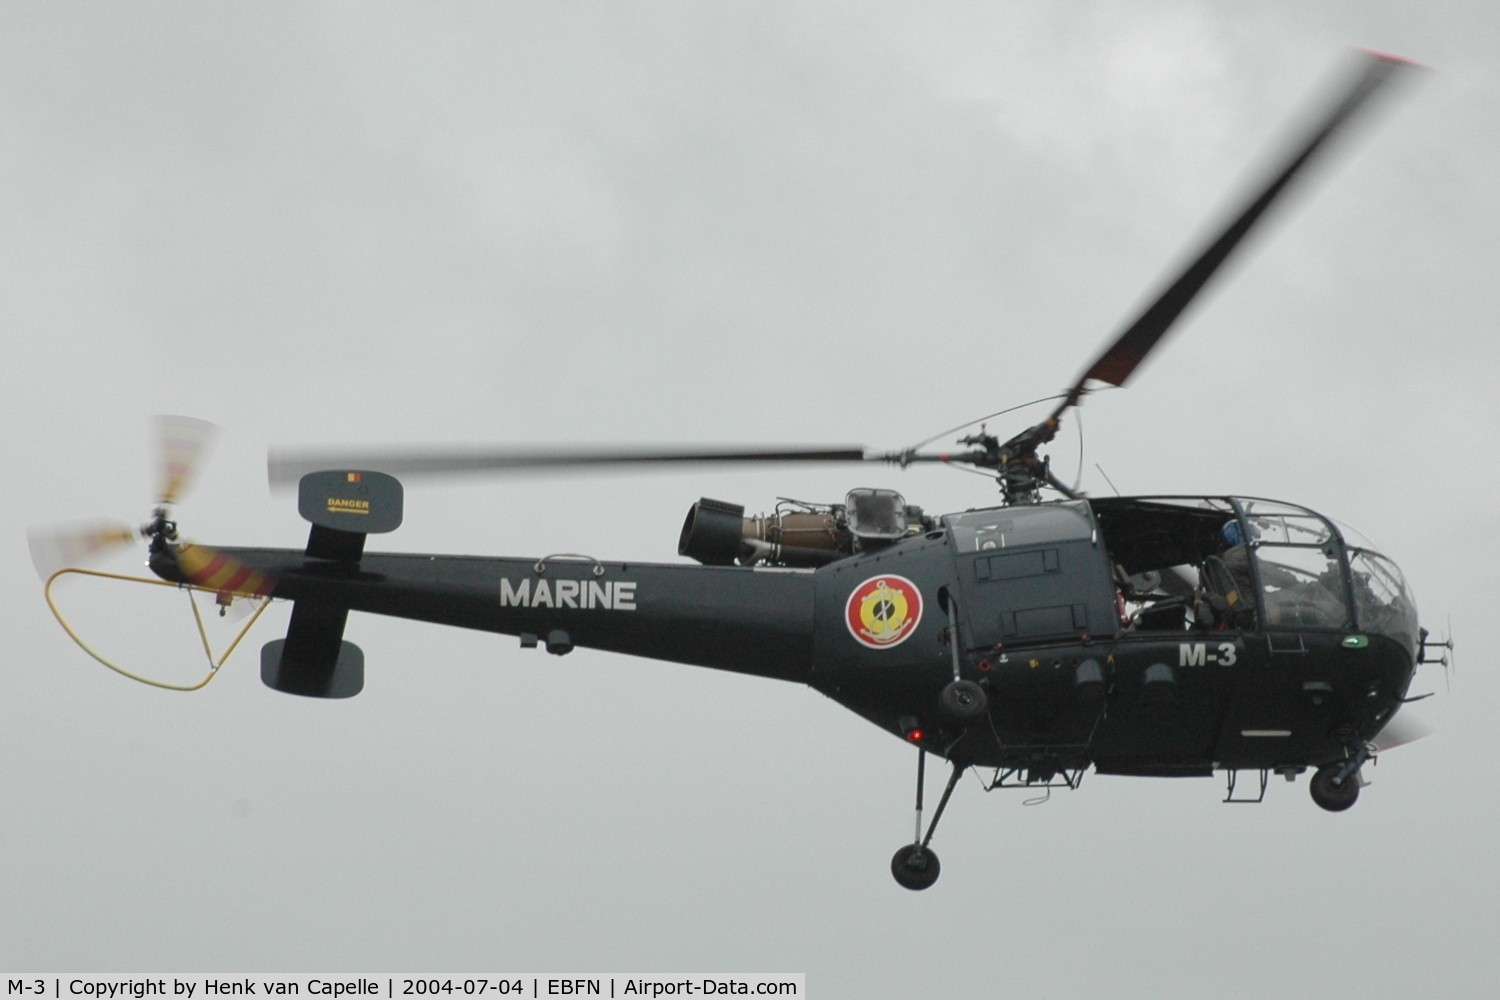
point(1301, 587)
point(1301, 572)
point(1381, 601)
point(1382, 604)
point(1281, 523)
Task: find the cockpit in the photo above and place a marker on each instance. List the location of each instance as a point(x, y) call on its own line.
point(1243, 563)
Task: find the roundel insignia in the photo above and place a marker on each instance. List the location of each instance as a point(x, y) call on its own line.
point(883, 611)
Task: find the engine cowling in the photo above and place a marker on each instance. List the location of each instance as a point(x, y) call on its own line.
point(717, 533)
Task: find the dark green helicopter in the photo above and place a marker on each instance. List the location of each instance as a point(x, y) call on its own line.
point(1162, 636)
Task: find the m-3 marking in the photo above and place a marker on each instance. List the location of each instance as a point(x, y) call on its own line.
point(1196, 654)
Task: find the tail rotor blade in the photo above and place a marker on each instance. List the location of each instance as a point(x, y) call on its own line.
point(182, 442)
point(53, 549)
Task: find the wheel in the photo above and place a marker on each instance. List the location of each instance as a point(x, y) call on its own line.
point(1334, 798)
point(915, 867)
point(963, 701)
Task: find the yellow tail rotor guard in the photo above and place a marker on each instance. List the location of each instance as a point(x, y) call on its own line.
point(218, 591)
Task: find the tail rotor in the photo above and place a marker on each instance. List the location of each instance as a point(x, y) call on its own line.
point(182, 444)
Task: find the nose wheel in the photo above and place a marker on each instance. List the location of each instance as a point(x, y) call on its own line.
point(1332, 792)
point(1335, 787)
point(915, 866)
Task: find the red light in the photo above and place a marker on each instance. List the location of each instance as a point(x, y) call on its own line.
point(915, 735)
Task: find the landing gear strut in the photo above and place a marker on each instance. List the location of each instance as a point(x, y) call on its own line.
point(915, 866)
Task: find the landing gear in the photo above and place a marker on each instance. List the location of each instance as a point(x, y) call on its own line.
point(1335, 787)
point(915, 866)
point(963, 701)
point(1332, 792)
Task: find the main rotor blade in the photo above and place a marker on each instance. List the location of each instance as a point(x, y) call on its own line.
point(1128, 350)
point(287, 467)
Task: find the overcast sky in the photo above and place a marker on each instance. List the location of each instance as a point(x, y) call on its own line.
point(321, 223)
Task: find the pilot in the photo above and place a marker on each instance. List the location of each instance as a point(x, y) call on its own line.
point(1228, 580)
point(1236, 558)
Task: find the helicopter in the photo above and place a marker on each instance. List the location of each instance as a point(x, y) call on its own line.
point(1166, 636)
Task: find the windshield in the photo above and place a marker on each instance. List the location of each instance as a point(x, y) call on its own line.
point(1382, 604)
point(1302, 579)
